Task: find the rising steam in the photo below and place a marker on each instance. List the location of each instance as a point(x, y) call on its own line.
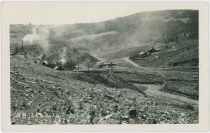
point(39, 36)
point(63, 55)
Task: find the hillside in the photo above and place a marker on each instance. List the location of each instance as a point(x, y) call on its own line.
point(137, 69)
point(125, 52)
point(183, 53)
point(62, 97)
point(121, 33)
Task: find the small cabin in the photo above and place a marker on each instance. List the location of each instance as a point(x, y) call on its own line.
point(144, 54)
point(48, 64)
point(45, 63)
point(152, 50)
point(106, 65)
point(101, 65)
point(60, 68)
point(80, 67)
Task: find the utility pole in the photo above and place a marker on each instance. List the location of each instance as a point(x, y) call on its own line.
point(88, 65)
point(77, 62)
point(22, 46)
point(111, 66)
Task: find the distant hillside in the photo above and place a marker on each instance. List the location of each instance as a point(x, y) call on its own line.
point(125, 52)
point(138, 30)
point(130, 31)
point(183, 53)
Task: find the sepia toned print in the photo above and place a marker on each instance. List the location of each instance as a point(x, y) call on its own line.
point(137, 69)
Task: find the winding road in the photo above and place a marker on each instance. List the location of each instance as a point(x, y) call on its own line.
point(131, 62)
point(154, 90)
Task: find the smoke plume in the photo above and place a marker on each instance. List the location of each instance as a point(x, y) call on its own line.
point(63, 55)
point(39, 36)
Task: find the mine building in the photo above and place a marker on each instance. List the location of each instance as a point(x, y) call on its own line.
point(144, 54)
point(60, 68)
point(106, 65)
point(152, 50)
point(48, 64)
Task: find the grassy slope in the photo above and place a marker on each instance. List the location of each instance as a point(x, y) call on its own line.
point(176, 82)
point(125, 52)
point(120, 33)
point(184, 53)
point(38, 89)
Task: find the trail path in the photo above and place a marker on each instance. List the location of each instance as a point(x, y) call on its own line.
point(154, 90)
point(100, 60)
point(131, 62)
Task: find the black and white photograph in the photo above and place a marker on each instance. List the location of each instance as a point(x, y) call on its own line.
point(128, 68)
point(136, 69)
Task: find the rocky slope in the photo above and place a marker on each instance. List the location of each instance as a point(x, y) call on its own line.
point(43, 95)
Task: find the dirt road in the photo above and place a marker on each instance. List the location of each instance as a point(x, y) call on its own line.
point(154, 90)
point(100, 60)
point(131, 62)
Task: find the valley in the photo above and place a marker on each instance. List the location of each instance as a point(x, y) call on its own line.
point(138, 69)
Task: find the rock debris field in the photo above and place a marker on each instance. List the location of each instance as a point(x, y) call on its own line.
point(40, 95)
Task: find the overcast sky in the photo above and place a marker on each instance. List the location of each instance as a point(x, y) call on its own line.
point(75, 12)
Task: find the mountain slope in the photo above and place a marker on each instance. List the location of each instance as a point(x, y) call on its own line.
point(62, 97)
point(125, 32)
point(183, 53)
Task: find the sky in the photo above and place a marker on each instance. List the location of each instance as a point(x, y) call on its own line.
point(75, 12)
